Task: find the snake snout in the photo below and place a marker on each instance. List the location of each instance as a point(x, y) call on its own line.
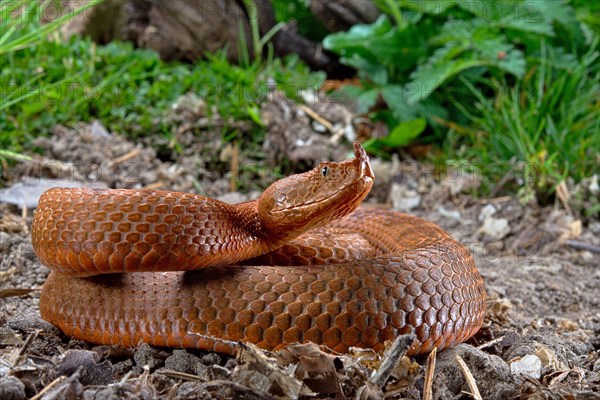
point(366, 170)
point(365, 166)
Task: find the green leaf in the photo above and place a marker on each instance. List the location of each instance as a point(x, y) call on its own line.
point(374, 71)
point(254, 114)
point(359, 36)
point(400, 136)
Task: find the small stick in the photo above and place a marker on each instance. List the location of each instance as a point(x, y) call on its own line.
point(155, 185)
point(490, 343)
point(562, 192)
point(24, 348)
point(395, 353)
point(579, 245)
point(181, 375)
point(127, 156)
point(372, 389)
point(48, 387)
point(15, 292)
point(316, 117)
point(500, 199)
point(469, 377)
point(24, 216)
point(235, 168)
point(429, 371)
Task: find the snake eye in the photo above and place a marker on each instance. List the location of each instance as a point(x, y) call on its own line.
point(325, 171)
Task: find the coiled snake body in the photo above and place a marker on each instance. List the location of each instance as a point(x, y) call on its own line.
point(310, 267)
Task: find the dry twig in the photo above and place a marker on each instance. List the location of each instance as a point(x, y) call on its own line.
point(429, 371)
point(235, 167)
point(45, 390)
point(490, 343)
point(24, 347)
point(316, 117)
point(180, 375)
point(372, 388)
point(127, 156)
point(469, 377)
point(579, 245)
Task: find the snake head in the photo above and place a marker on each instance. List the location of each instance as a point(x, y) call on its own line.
point(298, 203)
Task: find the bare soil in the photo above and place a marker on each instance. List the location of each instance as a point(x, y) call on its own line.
point(541, 338)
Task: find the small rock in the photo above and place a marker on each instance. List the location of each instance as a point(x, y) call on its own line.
point(487, 211)
point(528, 366)
point(555, 351)
point(8, 337)
point(491, 373)
point(219, 373)
point(122, 367)
point(29, 323)
point(192, 390)
point(12, 389)
point(232, 197)
point(594, 186)
point(182, 361)
point(98, 131)
point(202, 371)
point(68, 389)
point(28, 192)
point(404, 199)
point(92, 372)
point(450, 214)
point(211, 358)
point(494, 228)
point(146, 355)
point(462, 181)
point(230, 363)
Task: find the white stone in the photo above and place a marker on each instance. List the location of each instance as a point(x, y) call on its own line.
point(528, 366)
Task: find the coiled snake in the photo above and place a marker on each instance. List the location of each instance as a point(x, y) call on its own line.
point(310, 266)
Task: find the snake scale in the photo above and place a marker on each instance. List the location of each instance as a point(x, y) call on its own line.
point(303, 263)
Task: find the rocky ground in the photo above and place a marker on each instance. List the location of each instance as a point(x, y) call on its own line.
point(541, 338)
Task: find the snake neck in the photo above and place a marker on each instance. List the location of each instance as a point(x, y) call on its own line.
point(264, 240)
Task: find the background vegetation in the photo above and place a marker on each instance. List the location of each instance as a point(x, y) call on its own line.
point(502, 86)
point(506, 85)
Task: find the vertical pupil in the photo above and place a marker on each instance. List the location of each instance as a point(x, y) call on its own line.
point(324, 171)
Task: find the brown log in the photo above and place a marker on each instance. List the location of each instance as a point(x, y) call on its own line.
point(187, 29)
point(341, 15)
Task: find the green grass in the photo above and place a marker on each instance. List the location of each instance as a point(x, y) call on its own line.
point(534, 134)
point(526, 118)
point(131, 91)
point(513, 92)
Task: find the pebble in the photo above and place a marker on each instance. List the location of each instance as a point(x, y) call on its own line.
point(492, 228)
point(182, 361)
point(92, 371)
point(211, 358)
point(529, 366)
point(146, 355)
point(404, 199)
point(491, 373)
point(12, 389)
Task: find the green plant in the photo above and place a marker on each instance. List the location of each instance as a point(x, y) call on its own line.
point(21, 29)
point(299, 11)
point(19, 22)
point(535, 134)
point(131, 91)
point(258, 42)
point(409, 61)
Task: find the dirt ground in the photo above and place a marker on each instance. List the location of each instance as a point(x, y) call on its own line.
point(541, 338)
